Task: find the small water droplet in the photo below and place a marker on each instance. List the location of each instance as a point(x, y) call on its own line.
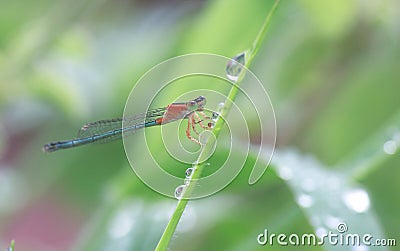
point(220, 106)
point(356, 200)
point(320, 231)
point(186, 181)
point(179, 191)
point(214, 116)
point(305, 200)
point(189, 172)
point(332, 222)
point(235, 66)
point(208, 164)
point(210, 125)
point(390, 147)
point(285, 173)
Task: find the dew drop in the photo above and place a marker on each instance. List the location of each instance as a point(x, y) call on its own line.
point(305, 200)
point(285, 173)
point(220, 106)
point(390, 147)
point(214, 116)
point(179, 191)
point(189, 172)
point(332, 221)
point(356, 200)
point(320, 231)
point(235, 66)
point(186, 181)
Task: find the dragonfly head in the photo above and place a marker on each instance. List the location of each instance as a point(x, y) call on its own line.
point(197, 104)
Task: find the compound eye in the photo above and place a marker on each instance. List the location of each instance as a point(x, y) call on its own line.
point(202, 102)
point(192, 105)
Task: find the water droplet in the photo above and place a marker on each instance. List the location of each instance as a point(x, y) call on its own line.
point(179, 191)
point(214, 116)
point(305, 200)
point(390, 147)
point(235, 66)
point(220, 106)
point(356, 200)
point(210, 125)
point(186, 181)
point(320, 231)
point(189, 172)
point(285, 173)
point(332, 222)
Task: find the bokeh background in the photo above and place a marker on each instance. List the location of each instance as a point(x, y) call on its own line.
point(331, 68)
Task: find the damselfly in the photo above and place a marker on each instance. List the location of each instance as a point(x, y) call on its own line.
point(111, 129)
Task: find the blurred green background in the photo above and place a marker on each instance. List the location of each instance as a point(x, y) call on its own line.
point(331, 68)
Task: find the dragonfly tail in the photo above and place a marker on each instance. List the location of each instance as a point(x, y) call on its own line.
point(54, 146)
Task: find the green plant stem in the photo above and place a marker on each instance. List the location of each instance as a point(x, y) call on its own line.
point(172, 224)
point(11, 248)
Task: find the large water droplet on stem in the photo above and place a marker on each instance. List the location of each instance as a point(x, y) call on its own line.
point(189, 172)
point(235, 66)
point(390, 147)
point(179, 191)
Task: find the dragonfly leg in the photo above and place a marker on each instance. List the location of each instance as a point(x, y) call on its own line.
point(199, 121)
point(193, 122)
point(190, 124)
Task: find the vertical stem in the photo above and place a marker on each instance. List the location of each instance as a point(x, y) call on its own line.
point(172, 224)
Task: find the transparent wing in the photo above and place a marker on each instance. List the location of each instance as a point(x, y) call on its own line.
point(113, 127)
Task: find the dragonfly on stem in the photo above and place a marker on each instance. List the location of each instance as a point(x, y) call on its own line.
point(111, 129)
